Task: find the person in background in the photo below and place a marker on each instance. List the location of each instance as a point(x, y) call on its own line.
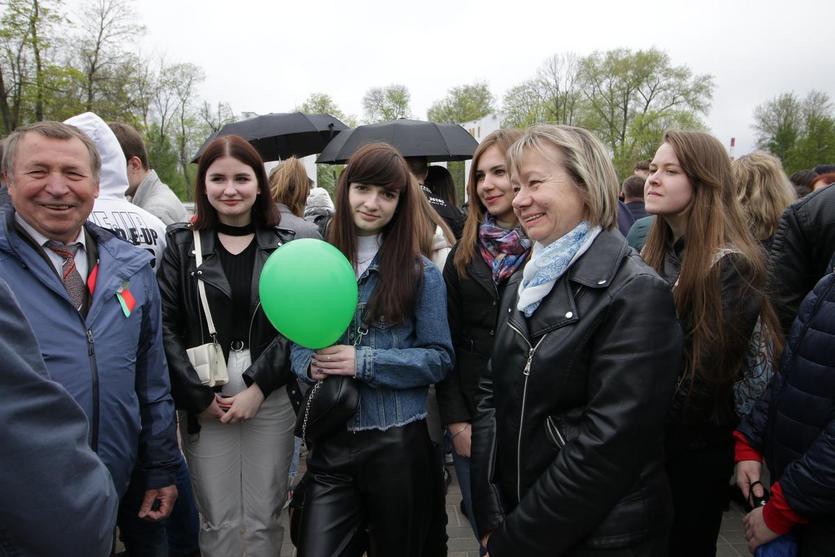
point(319, 209)
point(111, 209)
point(633, 196)
point(800, 252)
point(641, 169)
point(93, 303)
point(802, 182)
point(419, 167)
point(372, 483)
point(567, 453)
point(145, 189)
point(58, 496)
point(701, 244)
point(793, 427)
point(822, 181)
point(492, 247)
point(763, 191)
point(290, 187)
point(237, 438)
point(440, 183)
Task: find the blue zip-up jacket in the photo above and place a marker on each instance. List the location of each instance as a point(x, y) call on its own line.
point(49, 471)
point(112, 363)
point(395, 363)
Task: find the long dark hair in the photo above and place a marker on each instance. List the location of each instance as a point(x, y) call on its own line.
point(264, 212)
point(379, 164)
point(715, 223)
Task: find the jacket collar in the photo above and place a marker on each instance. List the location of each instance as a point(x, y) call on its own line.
point(146, 188)
point(595, 269)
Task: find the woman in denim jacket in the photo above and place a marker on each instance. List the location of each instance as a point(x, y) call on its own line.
point(373, 485)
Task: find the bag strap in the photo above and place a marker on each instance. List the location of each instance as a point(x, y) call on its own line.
point(198, 255)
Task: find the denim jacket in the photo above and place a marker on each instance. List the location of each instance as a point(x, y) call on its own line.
point(395, 363)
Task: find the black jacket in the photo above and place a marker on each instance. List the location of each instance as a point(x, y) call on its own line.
point(567, 442)
point(800, 251)
point(184, 325)
point(472, 310)
point(793, 424)
point(703, 413)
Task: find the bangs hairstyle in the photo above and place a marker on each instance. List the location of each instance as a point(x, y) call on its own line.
point(763, 191)
point(584, 159)
point(715, 223)
point(468, 245)
point(264, 212)
point(290, 185)
point(379, 164)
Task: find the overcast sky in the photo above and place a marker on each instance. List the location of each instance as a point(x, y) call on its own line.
point(263, 56)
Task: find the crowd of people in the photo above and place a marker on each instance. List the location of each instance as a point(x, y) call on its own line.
point(601, 359)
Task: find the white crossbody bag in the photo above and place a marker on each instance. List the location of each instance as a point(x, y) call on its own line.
point(207, 359)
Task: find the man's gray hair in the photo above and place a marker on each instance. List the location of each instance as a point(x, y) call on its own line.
point(52, 130)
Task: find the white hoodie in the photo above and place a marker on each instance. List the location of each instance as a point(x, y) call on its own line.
point(111, 209)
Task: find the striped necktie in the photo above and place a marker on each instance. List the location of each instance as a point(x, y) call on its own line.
point(72, 279)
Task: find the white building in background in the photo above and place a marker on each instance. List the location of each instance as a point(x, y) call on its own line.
point(480, 129)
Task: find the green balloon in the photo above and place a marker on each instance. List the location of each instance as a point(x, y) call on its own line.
point(308, 291)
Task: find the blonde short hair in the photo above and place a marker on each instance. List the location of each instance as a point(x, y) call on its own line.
point(585, 160)
point(763, 191)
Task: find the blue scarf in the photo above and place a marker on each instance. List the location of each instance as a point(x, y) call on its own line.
point(549, 263)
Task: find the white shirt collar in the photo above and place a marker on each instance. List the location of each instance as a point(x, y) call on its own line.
point(41, 239)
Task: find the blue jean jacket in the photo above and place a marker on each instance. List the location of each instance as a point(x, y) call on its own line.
point(395, 363)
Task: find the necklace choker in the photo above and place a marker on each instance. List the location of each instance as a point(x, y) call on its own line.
point(230, 230)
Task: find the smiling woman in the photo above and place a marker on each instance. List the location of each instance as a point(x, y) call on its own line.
point(577, 378)
point(238, 439)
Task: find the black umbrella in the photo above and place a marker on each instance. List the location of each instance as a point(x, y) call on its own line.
point(280, 135)
point(413, 138)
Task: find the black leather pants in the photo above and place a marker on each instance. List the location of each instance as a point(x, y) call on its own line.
point(371, 491)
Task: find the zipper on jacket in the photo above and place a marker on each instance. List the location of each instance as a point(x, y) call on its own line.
point(526, 372)
point(251, 323)
point(94, 426)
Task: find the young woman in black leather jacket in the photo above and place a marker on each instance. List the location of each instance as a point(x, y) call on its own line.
point(237, 438)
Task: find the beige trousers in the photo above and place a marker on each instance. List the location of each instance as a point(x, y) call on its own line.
point(239, 474)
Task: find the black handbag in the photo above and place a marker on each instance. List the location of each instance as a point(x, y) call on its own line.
point(329, 404)
point(326, 406)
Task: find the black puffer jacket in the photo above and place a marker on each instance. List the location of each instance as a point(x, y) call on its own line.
point(567, 441)
point(793, 424)
point(800, 252)
point(184, 325)
point(472, 311)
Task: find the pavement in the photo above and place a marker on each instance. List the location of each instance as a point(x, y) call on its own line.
point(462, 542)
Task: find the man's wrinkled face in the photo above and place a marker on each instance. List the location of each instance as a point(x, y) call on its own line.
point(52, 185)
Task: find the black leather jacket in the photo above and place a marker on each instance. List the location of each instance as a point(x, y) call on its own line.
point(567, 442)
point(184, 325)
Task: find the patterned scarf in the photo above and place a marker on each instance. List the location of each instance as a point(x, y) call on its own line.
point(549, 263)
point(503, 250)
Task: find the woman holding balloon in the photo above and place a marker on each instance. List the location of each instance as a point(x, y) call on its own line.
point(237, 438)
point(371, 483)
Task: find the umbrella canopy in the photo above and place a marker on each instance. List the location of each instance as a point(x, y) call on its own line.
point(413, 138)
point(281, 135)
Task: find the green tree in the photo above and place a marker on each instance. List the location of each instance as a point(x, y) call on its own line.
point(552, 96)
point(382, 104)
point(463, 104)
point(800, 132)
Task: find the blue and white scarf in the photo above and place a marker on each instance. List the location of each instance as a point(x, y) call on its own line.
point(549, 263)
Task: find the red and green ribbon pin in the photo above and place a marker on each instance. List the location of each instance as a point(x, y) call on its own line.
point(126, 299)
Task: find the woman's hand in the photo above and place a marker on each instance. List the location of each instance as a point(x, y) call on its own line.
point(461, 434)
point(243, 406)
point(339, 359)
point(212, 411)
point(756, 532)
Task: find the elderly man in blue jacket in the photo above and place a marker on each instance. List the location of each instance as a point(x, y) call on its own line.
point(93, 303)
